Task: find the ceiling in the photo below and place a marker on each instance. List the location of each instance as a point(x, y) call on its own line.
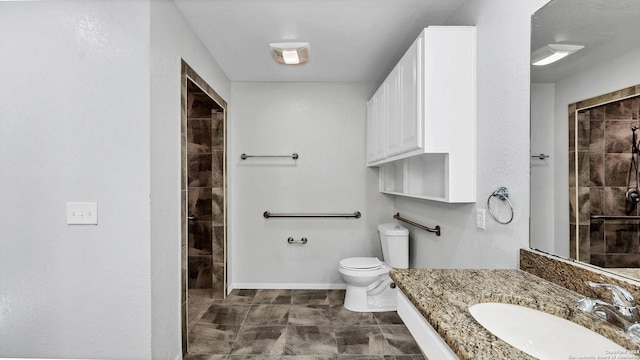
point(607, 28)
point(351, 40)
point(361, 40)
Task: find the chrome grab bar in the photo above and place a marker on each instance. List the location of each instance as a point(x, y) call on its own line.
point(268, 214)
point(614, 217)
point(419, 226)
point(294, 156)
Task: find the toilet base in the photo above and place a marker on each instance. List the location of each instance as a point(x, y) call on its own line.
point(356, 299)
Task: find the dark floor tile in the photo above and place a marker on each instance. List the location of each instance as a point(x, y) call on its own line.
point(388, 318)
point(199, 300)
point(310, 297)
point(285, 357)
point(314, 331)
point(260, 340)
point(264, 296)
point(411, 357)
point(240, 297)
point(205, 357)
point(361, 340)
point(222, 314)
point(208, 346)
point(336, 297)
point(342, 317)
point(310, 315)
point(310, 340)
point(400, 340)
point(266, 314)
point(214, 331)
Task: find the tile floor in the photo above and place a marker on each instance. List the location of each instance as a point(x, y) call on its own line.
point(292, 324)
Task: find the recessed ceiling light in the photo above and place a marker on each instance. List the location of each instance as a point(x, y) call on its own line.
point(553, 52)
point(291, 53)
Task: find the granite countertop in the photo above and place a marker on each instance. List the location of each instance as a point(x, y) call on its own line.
point(443, 297)
point(633, 273)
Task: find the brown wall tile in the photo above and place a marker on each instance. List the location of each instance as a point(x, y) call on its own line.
point(596, 135)
point(617, 135)
point(616, 169)
point(199, 136)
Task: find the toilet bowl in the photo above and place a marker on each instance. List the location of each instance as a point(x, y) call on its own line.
point(369, 287)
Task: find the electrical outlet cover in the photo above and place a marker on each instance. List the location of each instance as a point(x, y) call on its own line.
point(480, 219)
point(82, 213)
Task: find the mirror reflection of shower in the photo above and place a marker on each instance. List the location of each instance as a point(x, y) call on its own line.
point(605, 204)
point(633, 194)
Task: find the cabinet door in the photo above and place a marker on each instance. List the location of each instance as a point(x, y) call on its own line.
point(410, 119)
point(371, 129)
point(393, 112)
point(376, 126)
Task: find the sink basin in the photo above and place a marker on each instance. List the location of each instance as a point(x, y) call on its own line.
point(543, 335)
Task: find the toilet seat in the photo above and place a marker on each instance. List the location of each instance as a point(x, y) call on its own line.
point(361, 263)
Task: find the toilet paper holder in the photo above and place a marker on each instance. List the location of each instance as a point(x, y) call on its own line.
point(291, 240)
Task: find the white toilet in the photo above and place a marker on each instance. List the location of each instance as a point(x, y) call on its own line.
point(369, 287)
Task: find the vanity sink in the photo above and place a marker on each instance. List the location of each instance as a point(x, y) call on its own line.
point(543, 335)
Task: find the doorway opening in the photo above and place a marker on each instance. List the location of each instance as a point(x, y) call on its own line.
point(203, 197)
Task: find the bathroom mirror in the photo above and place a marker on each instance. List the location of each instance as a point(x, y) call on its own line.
point(609, 62)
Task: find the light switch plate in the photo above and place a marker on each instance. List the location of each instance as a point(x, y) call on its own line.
point(480, 219)
point(82, 213)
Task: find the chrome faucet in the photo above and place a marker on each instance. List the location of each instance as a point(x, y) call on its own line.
point(622, 311)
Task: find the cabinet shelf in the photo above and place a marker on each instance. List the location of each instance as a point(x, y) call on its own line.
point(415, 196)
point(423, 177)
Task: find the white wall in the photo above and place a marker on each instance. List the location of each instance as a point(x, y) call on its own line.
point(171, 39)
point(74, 126)
point(542, 174)
point(325, 124)
point(609, 76)
point(503, 29)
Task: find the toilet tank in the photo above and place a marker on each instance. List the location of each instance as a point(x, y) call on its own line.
point(395, 245)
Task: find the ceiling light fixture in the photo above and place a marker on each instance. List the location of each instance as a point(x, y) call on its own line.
point(552, 53)
point(291, 53)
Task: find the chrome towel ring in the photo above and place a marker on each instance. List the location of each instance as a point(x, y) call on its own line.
point(503, 194)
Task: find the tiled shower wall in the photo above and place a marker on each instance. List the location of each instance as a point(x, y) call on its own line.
point(205, 190)
point(604, 144)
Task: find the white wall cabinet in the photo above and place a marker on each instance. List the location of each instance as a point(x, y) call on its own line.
point(409, 112)
point(421, 121)
point(376, 122)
